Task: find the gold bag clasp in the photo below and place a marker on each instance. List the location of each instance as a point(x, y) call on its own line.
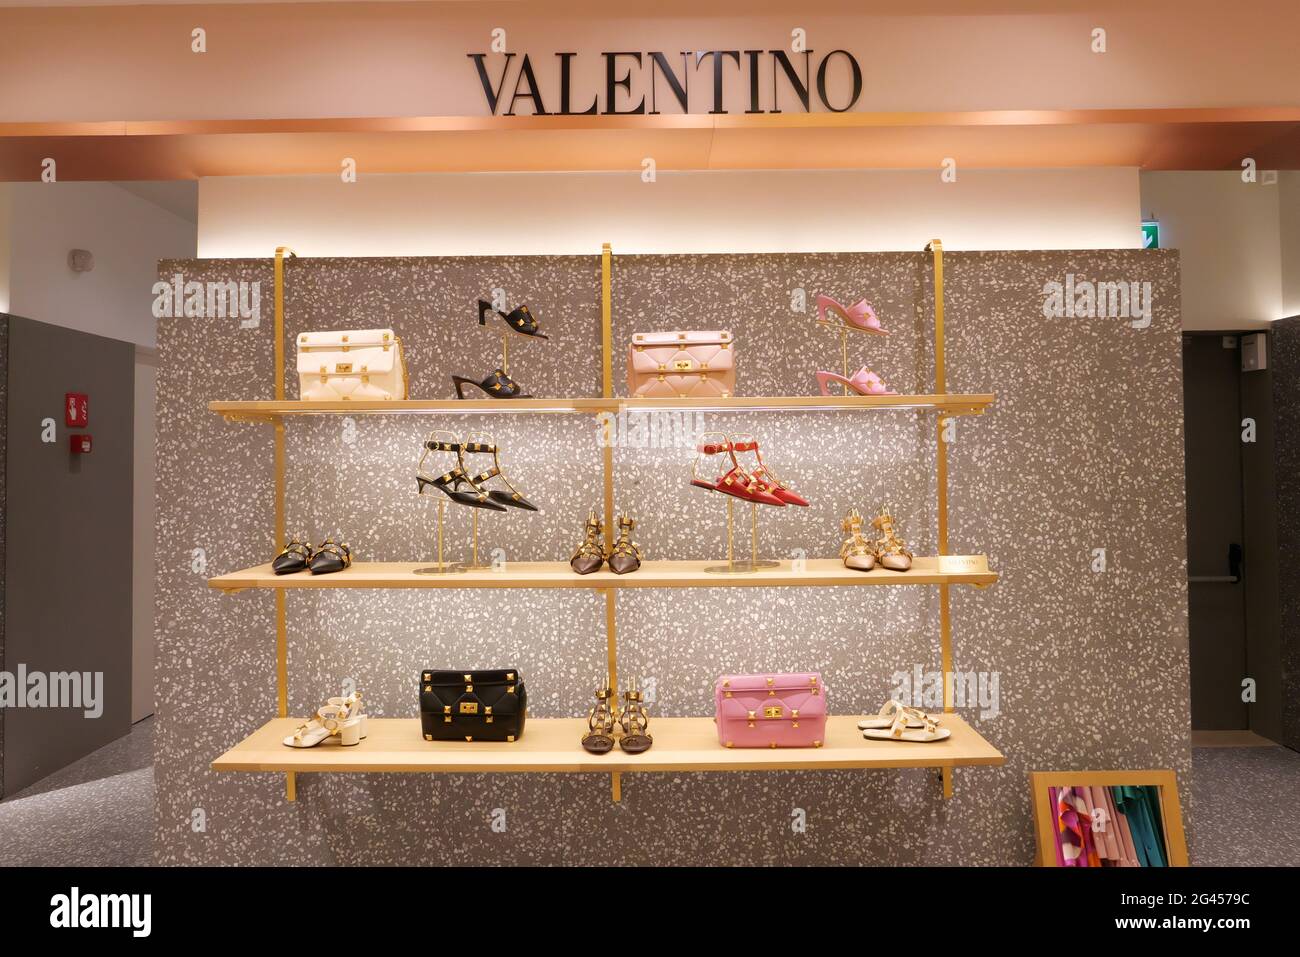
point(772, 711)
point(683, 365)
point(469, 707)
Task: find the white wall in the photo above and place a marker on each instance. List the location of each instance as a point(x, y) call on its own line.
point(127, 234)
point(1229, 236)
point(697, 212)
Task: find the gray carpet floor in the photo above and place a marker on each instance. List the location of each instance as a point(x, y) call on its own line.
point(1244, 810)
point(99, 811)
point(96, 812)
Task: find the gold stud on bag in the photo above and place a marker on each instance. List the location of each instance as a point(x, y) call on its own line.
point(698, 365)
point(357, 365)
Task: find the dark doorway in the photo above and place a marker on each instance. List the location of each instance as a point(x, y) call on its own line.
point(1216, 592)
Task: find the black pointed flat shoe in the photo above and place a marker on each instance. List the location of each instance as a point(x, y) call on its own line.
point(512, 498)
point(520, 319)
point(450, 482)
point(332, 556)
point(294, 558)
point(496, 386)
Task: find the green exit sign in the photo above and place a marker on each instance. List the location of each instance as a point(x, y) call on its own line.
point(1151, 235)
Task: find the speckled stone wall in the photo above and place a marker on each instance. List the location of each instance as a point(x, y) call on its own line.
point(1082, 451)
point(1285, 343)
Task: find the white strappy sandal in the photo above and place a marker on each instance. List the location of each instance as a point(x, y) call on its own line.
point(885, 717)
point(353, 703)
point(899, 729)
point(330, 721)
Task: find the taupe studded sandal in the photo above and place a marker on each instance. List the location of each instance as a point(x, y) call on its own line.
point(599, 738)
point(590, 554)
point(625, 555)
point(634, 721)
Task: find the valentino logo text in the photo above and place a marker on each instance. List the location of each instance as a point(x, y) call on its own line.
point(755, 71)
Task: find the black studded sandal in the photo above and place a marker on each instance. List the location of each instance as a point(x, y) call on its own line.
point(295, 557)
point(450, 482)
point(512, 498)
point(496, 386)
point(521, 320)
point(332, 556)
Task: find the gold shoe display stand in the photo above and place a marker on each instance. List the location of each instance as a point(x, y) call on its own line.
point(443, 567)
point(744, 565)
point(681, 744)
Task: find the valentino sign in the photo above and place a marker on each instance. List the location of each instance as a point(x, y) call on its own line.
point(754, 71)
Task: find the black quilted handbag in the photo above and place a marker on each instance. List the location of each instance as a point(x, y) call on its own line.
point(472, 705)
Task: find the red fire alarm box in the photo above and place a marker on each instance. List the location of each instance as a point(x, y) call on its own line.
point(76, 410)
point(80, 444)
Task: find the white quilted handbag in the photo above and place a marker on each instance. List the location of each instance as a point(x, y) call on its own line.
point(351, 364)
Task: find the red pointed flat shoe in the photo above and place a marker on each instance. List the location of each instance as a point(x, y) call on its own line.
point(736, 482)
point(765, 476)
point(744, 486)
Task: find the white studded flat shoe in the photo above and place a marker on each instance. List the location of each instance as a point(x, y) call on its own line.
point(898, 730)
point(916, 718)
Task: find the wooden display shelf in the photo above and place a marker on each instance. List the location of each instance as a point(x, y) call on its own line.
point(552, 744)
point(944, 570)
point(270, 411)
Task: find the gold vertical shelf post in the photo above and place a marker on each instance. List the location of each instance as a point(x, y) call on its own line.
point(935, 248)
point(281, 632)
point(607, 462)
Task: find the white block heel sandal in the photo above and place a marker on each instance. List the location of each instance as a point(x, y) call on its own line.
point(331, 721)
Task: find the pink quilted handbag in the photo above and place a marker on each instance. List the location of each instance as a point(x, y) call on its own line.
point(697, 365)
point(770, 711)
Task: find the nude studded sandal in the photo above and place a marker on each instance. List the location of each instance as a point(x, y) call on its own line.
point(899, 731)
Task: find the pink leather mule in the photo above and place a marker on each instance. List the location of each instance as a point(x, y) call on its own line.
point(860, 316)
point(863, 382)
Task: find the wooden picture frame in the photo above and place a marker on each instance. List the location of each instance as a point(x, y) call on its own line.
point(1044, 818)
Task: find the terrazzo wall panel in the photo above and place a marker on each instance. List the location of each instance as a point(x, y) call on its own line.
point(1285, 344)
point(1081, 451)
